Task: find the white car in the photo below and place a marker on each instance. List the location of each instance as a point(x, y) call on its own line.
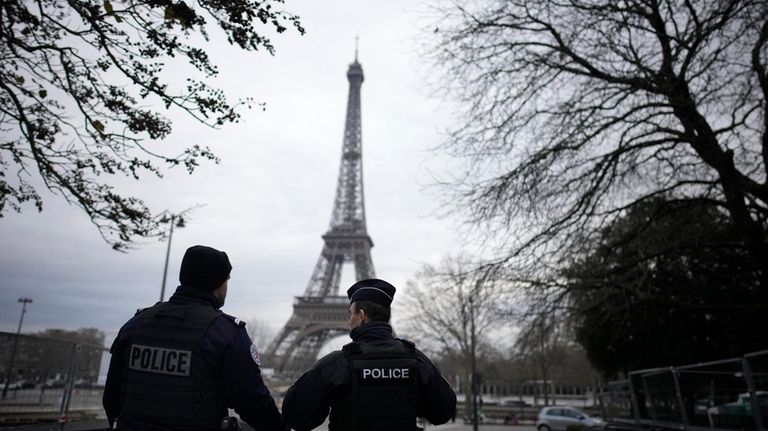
point(11, 386)
point(559, 418)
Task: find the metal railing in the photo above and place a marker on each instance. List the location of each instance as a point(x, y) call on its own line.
point(730, 394)
point(49, 380)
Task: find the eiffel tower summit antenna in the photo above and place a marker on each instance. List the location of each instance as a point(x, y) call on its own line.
point(321, 313)
point(357, 40)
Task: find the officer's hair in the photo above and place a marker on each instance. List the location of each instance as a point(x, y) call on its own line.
point(375, 312)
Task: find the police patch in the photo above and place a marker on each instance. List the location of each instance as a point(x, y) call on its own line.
point(386, 373)
point(160, 360)
point(255, 354)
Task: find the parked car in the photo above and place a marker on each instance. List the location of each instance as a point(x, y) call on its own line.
point(26, 384)
point(737, 414)
point(514, 403)
point(11, 386)
point(19, 384)
point(469, 418)
point(87, 384)
point(559, 418)
point(54, 383)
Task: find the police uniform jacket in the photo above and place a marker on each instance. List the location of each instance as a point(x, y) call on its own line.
point(227, 352)
point(308, 402)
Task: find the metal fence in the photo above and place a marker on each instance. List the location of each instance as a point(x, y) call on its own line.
point(731, 394)
point(44, 379)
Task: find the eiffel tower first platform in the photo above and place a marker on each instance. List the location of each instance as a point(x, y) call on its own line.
point(321, 313)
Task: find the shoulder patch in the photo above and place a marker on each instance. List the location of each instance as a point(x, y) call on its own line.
point(255, 355)
point(328, 359)
point(409, 345)
point(234, 320)
point(352, 348)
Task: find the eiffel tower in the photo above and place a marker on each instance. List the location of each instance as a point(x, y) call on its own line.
point(321, 313)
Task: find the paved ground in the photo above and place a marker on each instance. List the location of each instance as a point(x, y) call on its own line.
point(72, 426)
point(458, 426)
point(462, 427)
point(102, 425)
point(482, 427)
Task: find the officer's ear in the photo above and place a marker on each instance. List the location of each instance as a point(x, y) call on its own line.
point(363, 314)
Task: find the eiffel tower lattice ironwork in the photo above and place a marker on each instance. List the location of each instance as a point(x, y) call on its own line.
point(321, 313)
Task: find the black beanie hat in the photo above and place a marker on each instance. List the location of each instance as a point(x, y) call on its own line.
point(204, 268)
point(374, 290)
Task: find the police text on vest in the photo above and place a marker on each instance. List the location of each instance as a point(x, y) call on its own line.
point(386, 373)
point(160, 360)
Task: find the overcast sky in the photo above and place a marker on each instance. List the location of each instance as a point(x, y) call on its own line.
point(270, 199)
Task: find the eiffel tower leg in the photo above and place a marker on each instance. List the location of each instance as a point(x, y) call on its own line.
point(326, 276)
point(364, 266)
point(278, 345)
point(303, 352)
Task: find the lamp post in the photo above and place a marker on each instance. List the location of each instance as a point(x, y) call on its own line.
point(474, 362)
point(24, 302)
point(473, 345)
point(178, 221)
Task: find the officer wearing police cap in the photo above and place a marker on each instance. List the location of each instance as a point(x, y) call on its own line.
point(179, 365)
point(377, 382)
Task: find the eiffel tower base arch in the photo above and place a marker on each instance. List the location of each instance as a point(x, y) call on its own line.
point(315, 320)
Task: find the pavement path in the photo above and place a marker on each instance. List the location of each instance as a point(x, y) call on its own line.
point(482, 427)
point(102, 425)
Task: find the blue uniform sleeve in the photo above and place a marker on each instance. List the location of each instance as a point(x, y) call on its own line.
point(112, 387)
point(245, 389)
point(308, 402)
point(111, 397)
point(438, 401)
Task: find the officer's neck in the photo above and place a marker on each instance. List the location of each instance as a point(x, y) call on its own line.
point(371, 329)
point(197, 294)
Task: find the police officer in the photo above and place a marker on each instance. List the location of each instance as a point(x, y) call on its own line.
point(180, 364)
point(377, 382)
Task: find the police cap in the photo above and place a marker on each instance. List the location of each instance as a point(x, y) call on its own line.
point(374, 290)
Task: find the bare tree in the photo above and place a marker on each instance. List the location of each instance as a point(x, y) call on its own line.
point(451, 309)
point(542, 343)
point(440, 303)
point(78, 79)
point(575, 110)
point(259, 331)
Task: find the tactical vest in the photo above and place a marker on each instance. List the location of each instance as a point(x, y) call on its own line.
point(382, 393)
point(165, 379)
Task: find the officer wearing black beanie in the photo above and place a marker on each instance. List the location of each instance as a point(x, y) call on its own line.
point(377, 382)
point(179, 365)
point(204, 268)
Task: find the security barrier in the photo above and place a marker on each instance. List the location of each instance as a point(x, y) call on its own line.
point(43, 379)
point(731, 394)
